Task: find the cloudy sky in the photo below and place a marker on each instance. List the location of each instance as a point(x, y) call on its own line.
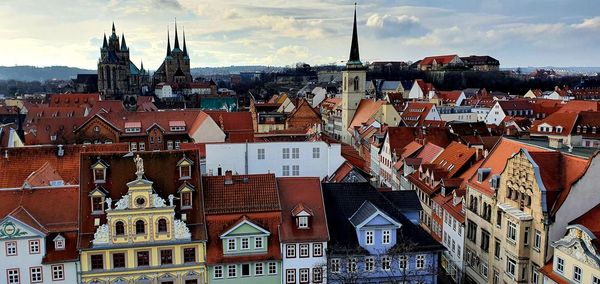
point(282, 32)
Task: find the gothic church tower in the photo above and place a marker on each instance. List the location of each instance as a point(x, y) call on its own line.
point(353, 85)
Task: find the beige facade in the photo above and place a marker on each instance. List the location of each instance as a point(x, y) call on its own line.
point(576, 258)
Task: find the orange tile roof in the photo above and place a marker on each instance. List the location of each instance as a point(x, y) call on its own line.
point(440, 59)
point(43, 176)
point(247, 194)
point(566, 120)
point(307, 192)
point(455, 157)
point(365, 110)
point(415, 113)
point(579, 106)
point(238, 126)
point(547, 271)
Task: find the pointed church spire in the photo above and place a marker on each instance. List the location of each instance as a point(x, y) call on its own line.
point(354, 53)
point(168, 43)
point(142, 65)
point(105, 43)
point(113, 28)
point(123, 44)
point(176, 46)
point(184, 45)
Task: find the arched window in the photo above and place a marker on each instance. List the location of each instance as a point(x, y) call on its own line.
point(120, 228)
point(162, 226)
point(356, 83)
point(140, 227)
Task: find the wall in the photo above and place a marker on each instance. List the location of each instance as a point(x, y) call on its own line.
point(232, 156)
point(298, 262)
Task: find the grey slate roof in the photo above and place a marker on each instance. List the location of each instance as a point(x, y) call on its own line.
point(366, 210)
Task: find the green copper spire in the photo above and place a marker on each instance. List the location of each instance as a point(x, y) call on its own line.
point(354, 53)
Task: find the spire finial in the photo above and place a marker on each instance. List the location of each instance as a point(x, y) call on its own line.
point(168, 42)
point(113, 28)
point(176, 46)
point(354, 51)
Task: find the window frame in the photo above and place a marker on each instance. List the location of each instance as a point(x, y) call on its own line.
point(31, 246)
point(262, 269)
point(290, 276)
point(17, 275)
point(92, 261)
point(577, 273)
point(272, 268)
point(165, 257)
point(230, 270)
point(304, 272)
point(40, 272)
point(386, 234)
point(140, 255)
point(290, 250)
point(318, 247)
point(306, 247)
point(7, 247)
point(218, 268)
point(112, 256)
point(369, 238)
point(58, 268)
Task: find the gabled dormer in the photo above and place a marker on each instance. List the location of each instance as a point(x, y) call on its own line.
point(245, 237)
point(186, 192)
point(185, 168)
point(59, 242)
point(376, 230)
point(303, 216)
point(97, 199)
point(99, 169)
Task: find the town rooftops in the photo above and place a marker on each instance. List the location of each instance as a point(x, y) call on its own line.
point(229, 194)
point(440, 59)
point(302, 194)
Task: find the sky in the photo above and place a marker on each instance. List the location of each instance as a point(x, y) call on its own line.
point(283, 32)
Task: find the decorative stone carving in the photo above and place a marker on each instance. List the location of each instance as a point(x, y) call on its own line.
point(139, 165)
point(181, 230)
point(157, 201)
point(123, 203)
point(101, 235)
point(109, 203)
point(171, 198)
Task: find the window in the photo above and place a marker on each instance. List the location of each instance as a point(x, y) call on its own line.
point(119, 228)
point(560, 265)
point(143, 258)
point(142, 146)
point(140, 227)
point(535, 276)
point(58, 272)
point(369, 237)
point(258, 242)
point(386, 236)
point(162, 226)
point(11, 248)
point(497, 248)
point(316, 153)
point(318, 275)
point(498, 218)
point(595, 280)
point(99, 175)
point(97, 261)
point(317, 250)
point(304, 272)
point(231, 244)
point(420, 261)
point(295, 170)
point(512, 231)
point(170, 145)
point(335, 265)
point(118, 260)
point(245, 269)
point(295, 153)
point(484, 270)
point(34, 246)
point(259, 268)
point(290, 251)
point(537, 241)
point(485, 241)
point(304, 250)
point(189, 255)
point(166, 256)
point(97, 204)
point(496, 278)
point(186, 199)
point(302, 222)
point(285, 153)
point(133, 146)
point(403, 262)
point(59, 242)
point(272, 268)
point(526, 236)
point(13, 276)
point(245, 243)
point(352, 264)
point(511, 266)
point(218, 271)
point(290, 276)
point(386, 263)
point(260, 154)
point(185, 171)
point(285, 170)
point(36, 274)
point(177, 142)
point(577, 274)
point(369, 263)
point(231, 271)
point(472, 231)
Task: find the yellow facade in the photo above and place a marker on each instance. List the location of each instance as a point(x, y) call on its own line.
point(143, 242)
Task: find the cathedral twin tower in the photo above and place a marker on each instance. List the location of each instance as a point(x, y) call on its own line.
point(119, 78)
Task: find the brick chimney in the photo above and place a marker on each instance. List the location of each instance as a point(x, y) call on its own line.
point(228, 177)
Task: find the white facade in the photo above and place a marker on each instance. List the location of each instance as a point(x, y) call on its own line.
point(304, 159)
point(165, 92)
point(496, 115)
point(22, 251)
point(416, 92)
point(208, 132)
point(454, 240)
point(386, 165)
point(466, 117)
point(297, 261)
point(481, 112)
point(319, 94)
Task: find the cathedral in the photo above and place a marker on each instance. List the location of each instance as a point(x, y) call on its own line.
point(175, 69)
point(118, 77)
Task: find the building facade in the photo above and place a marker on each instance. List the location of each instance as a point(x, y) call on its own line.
point(175, 69)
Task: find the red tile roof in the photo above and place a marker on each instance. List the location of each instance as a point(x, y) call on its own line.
point(246, 194)
point(23, 161)
point(305, 192)
point(440, 59)
point(415, 113)
point(238, 126)
point(43, 176)
point(579, 106)
point(303, 116)
point(590, 221)
point(365, 110)
point(455, 158)
point(566, 120)
point(448, 96)
point(547, 271)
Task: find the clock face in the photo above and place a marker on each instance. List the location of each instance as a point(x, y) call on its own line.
point(140, 201)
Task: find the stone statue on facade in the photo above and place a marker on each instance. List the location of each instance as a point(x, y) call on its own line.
point(171, 198)
point(139, 165)
point(109, 203)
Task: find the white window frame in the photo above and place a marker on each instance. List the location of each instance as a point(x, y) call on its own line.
point(290, 276)
point(386, 263)
point(290, 251)
point(295, 153)
point(259, 269)
point(403, 262)
point(11, 248)
point(36, 274)
point(285, 170)
point(335, 265)
point(58, 272)
point(316, 153)
point(537, 241)
point(511, 231)
point(577, 272)
point(420, 261)
point(260, 154)
point(369, 238)
point(369, 263)
point(304, 250)
point(259, 243)
point(317, 250)
point(133, 146)
point(302, 222)
point(352, 264)
point(511, 267)
point(272, 268)
point(386, 237)
point(560, 265)
point(218, 272)
point(230, 270)
point(13, 276)
point(231, 241)
point(296, 170)
point(304, 275)
point(285, 153)
point(245, 241)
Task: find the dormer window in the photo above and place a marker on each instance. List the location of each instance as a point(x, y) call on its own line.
point(302, 214)
point(185, 195)
point(303, 222)
point(99, 171)
point(97, 197)
point(59, 242)
point(177, 126)
point(559, 129)
point(133, 127)
point(185, 168)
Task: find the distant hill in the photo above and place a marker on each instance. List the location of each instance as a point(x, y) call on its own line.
point(561, 70)
point(32, 73)
point(204, 71)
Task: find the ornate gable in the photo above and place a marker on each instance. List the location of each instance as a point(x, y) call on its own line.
point(579, 243)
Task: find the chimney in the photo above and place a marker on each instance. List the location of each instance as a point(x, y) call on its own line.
point(228, 177)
